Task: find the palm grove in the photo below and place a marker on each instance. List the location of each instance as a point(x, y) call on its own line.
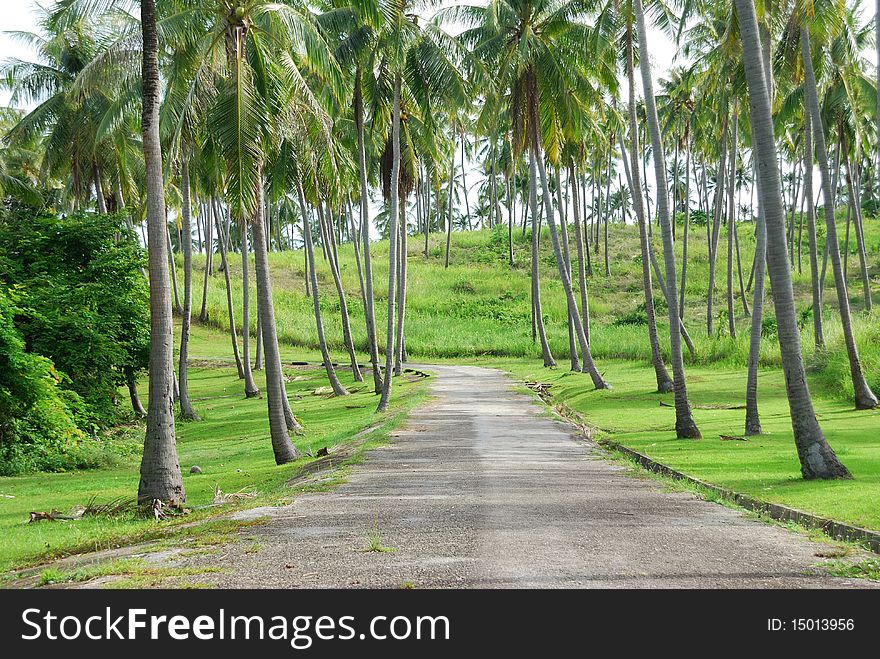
point(245, 127)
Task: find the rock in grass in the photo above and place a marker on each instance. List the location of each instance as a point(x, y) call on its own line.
point(195, 469)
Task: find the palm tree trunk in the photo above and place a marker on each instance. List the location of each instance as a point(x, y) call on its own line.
point(160, 477)
point(716, 231)
point(392, 244)
point(753, 419)
point(449, 220)
point(100, 200)
point(537, 311)
point(186, 409)
point(731, 221)
point(131, 384)
point(400, 348)
point(664, 382)
point(605, 215)
point(467, 206)
point(566, 254)
point(276, 393)
point(739, 270)
point(864, 397)
point(178, 308)
point(369, 299)
point(685, 426)
point(357, 260)
point(208, 214)
point(510, 214)
point(581, 249)
point(857, 221)
point(687, 221)
point(230, 308)
point(816, 456)
point(815, 281)
point(250, 387)
point(258, 349)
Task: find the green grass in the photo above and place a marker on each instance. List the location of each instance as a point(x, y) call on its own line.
point(479, 306)
point(765, 467)
point(868, 569)
point(374, 542)
point(131, 568)
point(230, 444)
point(478, 311)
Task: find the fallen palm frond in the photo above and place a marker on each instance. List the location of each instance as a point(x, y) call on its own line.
point(220, 497)
point(112, 508)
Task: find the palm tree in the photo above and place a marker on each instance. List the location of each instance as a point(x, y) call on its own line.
point(18, 165)
point(528, 45)
point(394, 208)
point(337, 387)
point(421, 63)
point(186, 409)
point(65, 121)
point(245, 79)
point(160, 477)
point(665, 384)
point(364, 197)
point(864, 397)
point(685, 426)
point(817, 458)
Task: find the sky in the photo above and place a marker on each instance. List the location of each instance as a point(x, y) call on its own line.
point(15, 15)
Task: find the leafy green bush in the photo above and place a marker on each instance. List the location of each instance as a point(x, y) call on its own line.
point(81, 301)
point(37, 425)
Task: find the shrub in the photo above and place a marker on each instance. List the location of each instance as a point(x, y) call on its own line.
point(37, 426)
point(81, 301)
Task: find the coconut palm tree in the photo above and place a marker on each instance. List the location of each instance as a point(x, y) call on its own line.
point(665, 384)
point(419, 72)
point(685, 426)
point(160, 477)
point(65, 120)
point(536, 49)
point(817, 458)
point(248, 83)
point(864, 397)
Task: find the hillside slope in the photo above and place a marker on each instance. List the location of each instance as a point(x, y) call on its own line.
point(479, 306)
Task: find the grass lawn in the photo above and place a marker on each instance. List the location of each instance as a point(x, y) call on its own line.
point(478, 311)
point(766, 467)
point(230, 444)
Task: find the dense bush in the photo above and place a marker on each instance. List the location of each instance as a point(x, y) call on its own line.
point(81, 301)
point(36, 414)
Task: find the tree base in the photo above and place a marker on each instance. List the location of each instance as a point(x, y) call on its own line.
point(254, 393)
point(754, 431)
point(687, 429)
point(819, 461)
point(286, 456)
point(665, 386)
point(866, 401)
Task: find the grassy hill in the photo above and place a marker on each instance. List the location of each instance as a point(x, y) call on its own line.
point(479, 306)
point(477, 311)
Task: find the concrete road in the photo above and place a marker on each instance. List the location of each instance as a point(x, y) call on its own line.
point(479, 490)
